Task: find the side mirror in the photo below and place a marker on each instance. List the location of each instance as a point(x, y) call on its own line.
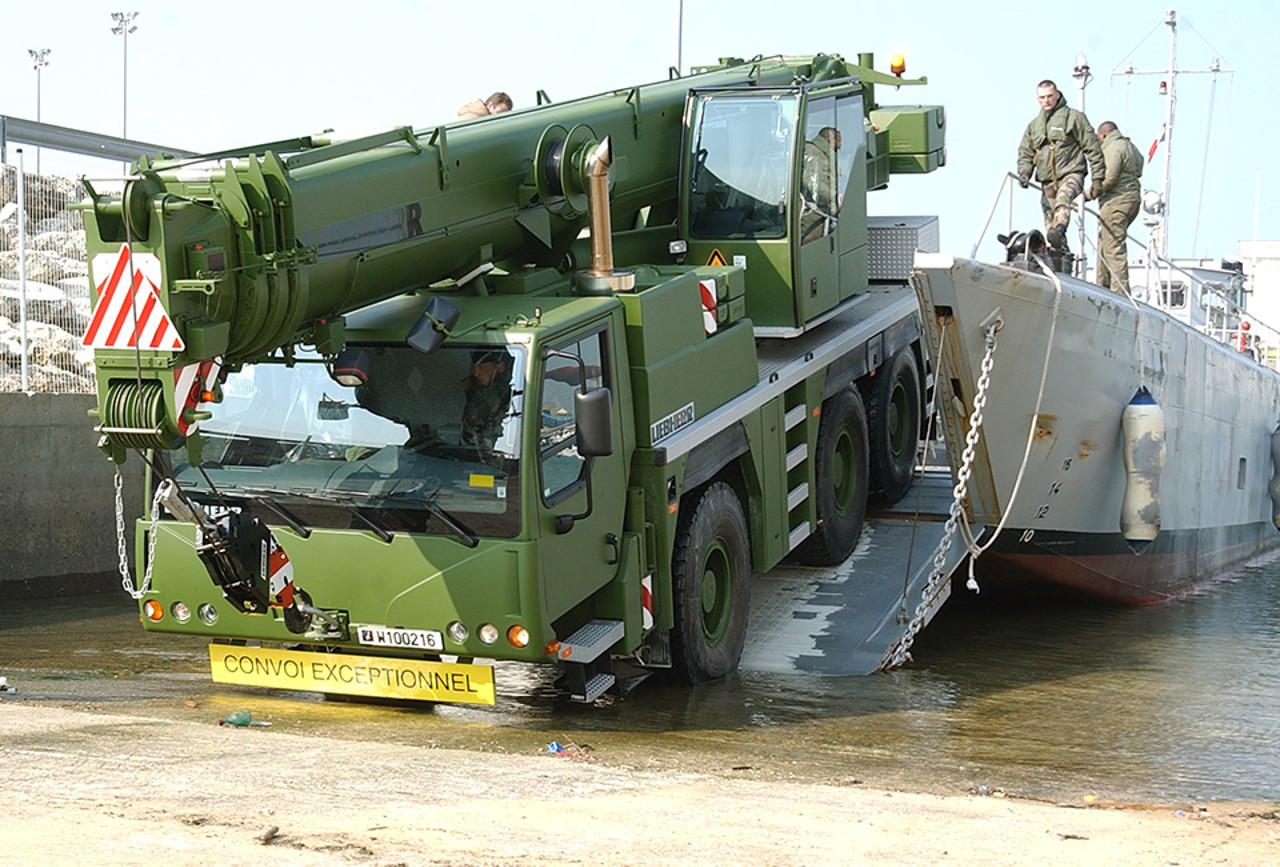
point(434, 325)
point(593, 413)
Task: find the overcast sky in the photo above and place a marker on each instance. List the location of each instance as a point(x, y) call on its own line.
point(215, 75)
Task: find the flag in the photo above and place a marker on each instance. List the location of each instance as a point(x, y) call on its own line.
point(1151, 151)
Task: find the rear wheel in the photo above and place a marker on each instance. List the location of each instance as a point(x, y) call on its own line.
point(711, 571)
point(841, 488)
point(894, 412)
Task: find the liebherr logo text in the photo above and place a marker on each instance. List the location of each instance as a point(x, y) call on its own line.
point(665, 427)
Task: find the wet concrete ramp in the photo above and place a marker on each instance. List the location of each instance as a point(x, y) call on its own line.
point(845, 620)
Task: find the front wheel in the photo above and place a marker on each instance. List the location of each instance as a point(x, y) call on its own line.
point(711, 572)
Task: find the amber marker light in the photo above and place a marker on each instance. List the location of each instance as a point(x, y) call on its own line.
point(897, 64)
point(153, 610)
point(518, 636)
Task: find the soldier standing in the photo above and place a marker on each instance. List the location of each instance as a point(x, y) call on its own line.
point(1059, 145)
point(1118, 202)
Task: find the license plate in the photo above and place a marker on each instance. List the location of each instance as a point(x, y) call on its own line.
point(350, 674)
point(403, 639)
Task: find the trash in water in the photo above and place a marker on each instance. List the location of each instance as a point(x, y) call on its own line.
point(570, 751)
point(240, 719)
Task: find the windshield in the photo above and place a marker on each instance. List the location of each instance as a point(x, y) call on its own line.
point(741, 166)
point(426, 441)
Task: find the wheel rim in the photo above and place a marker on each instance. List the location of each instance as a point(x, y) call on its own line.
point(842, 471)
point(898, 415)
point(717, 592)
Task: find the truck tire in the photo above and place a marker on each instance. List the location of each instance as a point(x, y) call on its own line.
point(711, 574)
point(840, 493)
point(894, 412)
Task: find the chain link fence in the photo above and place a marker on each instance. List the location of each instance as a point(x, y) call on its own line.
point(44, 286)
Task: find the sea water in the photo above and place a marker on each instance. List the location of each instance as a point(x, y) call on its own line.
point(1172, 702)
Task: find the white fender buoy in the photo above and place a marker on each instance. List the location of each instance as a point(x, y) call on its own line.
point(1143, 430)
point(1274, 487)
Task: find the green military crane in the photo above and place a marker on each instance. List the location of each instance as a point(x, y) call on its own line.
point(546, 386)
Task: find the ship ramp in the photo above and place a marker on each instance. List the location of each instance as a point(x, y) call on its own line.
point(850, 619)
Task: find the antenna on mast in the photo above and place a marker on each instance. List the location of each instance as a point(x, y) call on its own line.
point(1156, 202)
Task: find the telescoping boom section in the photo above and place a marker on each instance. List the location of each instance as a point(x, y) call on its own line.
point(496, 389)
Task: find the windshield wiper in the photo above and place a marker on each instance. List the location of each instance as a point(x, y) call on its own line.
point(294, 522)
point(264, 494)
point(378, 529)
point(464, 533)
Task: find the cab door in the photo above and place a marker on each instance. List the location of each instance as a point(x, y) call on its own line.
point(578, 560)
point(831, 230)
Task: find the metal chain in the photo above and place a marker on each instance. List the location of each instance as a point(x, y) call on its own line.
point(122, 547)
point(902, 653)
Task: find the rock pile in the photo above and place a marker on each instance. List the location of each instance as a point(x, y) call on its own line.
point(57, 287)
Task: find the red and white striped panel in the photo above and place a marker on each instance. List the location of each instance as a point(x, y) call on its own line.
point(129, 314)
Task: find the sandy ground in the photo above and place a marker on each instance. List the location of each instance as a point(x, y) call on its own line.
point(85, 787)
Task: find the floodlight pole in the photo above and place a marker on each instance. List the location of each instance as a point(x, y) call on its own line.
point(124, 26)
point(39, 60)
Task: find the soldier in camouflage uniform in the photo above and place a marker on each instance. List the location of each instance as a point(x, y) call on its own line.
point(1059, 145)
point(488, 392)
point(1118, 206)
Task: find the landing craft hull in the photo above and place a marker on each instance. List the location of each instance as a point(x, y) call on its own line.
point(1058, 511)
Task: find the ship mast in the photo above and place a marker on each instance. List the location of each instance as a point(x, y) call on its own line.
point(1158, 206)
point(1170, 106)
point(1083, 77)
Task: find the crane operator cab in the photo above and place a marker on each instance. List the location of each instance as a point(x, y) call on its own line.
point(775, 180)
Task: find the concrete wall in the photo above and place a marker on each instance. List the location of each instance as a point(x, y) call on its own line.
point(57, 499)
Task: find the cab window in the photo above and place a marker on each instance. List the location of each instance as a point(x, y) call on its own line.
point(741, 165)
point(560, 465)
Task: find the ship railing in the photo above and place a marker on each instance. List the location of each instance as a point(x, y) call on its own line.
point(1240, 329)
point(1005, 190)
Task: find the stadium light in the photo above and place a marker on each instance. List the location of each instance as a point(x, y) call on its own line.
point(39, 60)
point(124, 26)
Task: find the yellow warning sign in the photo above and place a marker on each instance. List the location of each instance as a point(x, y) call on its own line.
point(717, 258)
point(348, 674)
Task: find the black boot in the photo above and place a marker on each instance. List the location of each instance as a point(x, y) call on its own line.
point(1059, 256)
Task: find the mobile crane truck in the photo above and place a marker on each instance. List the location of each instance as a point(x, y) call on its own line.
point(544, 387)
